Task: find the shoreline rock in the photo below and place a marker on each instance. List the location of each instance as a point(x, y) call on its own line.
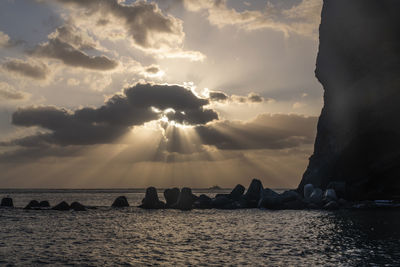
point(120, 202)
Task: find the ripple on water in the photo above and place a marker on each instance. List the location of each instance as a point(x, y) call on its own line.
point(253, 237)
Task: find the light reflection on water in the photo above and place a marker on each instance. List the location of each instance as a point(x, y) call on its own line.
point(254, 237)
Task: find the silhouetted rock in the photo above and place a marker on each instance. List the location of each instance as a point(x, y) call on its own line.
point(289, 195)
point(308, 189)
point(270, 199)
point(151, 200)
point(223, 195)
point(171, 196)
point(331, 205)
point(316, 196)
point(203, 202)
point(221, 201)
point(330, 195)
point(7, 202)
point(237, 192)
point(339, 187)
point(62, 206)
point(252, 195)
point(32, 205)
point(44, 204)
point(120, 202)
point(358, 135)
point(76, 206)
point(185, 200)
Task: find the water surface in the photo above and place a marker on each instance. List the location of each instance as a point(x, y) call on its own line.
point(132, 236)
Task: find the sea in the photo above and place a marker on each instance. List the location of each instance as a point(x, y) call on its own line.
point(135, 237)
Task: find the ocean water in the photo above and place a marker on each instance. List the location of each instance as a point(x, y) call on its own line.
point(136, 237)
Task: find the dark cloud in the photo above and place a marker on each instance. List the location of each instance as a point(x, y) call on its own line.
point(265, 132)
point(250, 98)
point(38, 71)
point(139, 104)
point(218, 96)
point(255, 98)
point(69, 34)
point(69, 55)
point(142, 20)
point(152, 69)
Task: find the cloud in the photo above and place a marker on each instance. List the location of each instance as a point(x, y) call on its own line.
point(217, 96)
point(267, 131)
point(7, 92)
point(34, 70)
point(4, 39)
point(69, 55)
point(143, 21)
point(137, 105)
point(152, 69)
point(71, 35)
point(302, 18)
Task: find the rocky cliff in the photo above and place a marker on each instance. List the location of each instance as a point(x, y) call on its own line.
point(358, 64)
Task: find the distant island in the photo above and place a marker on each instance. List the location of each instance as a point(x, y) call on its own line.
point(215, 187)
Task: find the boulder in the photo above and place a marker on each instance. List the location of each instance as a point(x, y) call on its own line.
point(185, 200)
point(203, 202)
point(7, 202)
point(221, 201)
point(330, 195)
point(171, 196)
point(120, 202)
point(252, 195)
point(339, 187)
point(331, 205)
point(61, 206)
point(223, 195)
point(241, 204)
point(270, 199)
point(44, 204)
point(308, 189)
point(32, 205)
point(316, 196)
point(237, 192)
point(76, 206)
point(151, 200)
point(290, 195)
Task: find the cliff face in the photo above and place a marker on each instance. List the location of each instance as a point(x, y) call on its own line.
point(358, 64)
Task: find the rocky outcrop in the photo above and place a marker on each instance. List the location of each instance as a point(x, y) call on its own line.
point(76, 206)
point(171, 196)
point(34, 204)
point(358, 135)
point(120, 202)
point(7, 202)
point(62, 206)
point(253, 194)
point(151, 201)
point(185, 200)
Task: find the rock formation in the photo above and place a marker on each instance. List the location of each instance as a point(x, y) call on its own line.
point(64, 206)
point(120, 202)
point(358, 135)
point(7, 202)
point(151, 201)
point(171, 196)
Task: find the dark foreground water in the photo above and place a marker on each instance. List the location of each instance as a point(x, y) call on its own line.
point(136, 237)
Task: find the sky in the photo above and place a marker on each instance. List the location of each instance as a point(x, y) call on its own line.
point(118, 94)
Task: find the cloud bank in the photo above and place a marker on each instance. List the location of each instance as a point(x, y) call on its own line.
point(137, 105)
